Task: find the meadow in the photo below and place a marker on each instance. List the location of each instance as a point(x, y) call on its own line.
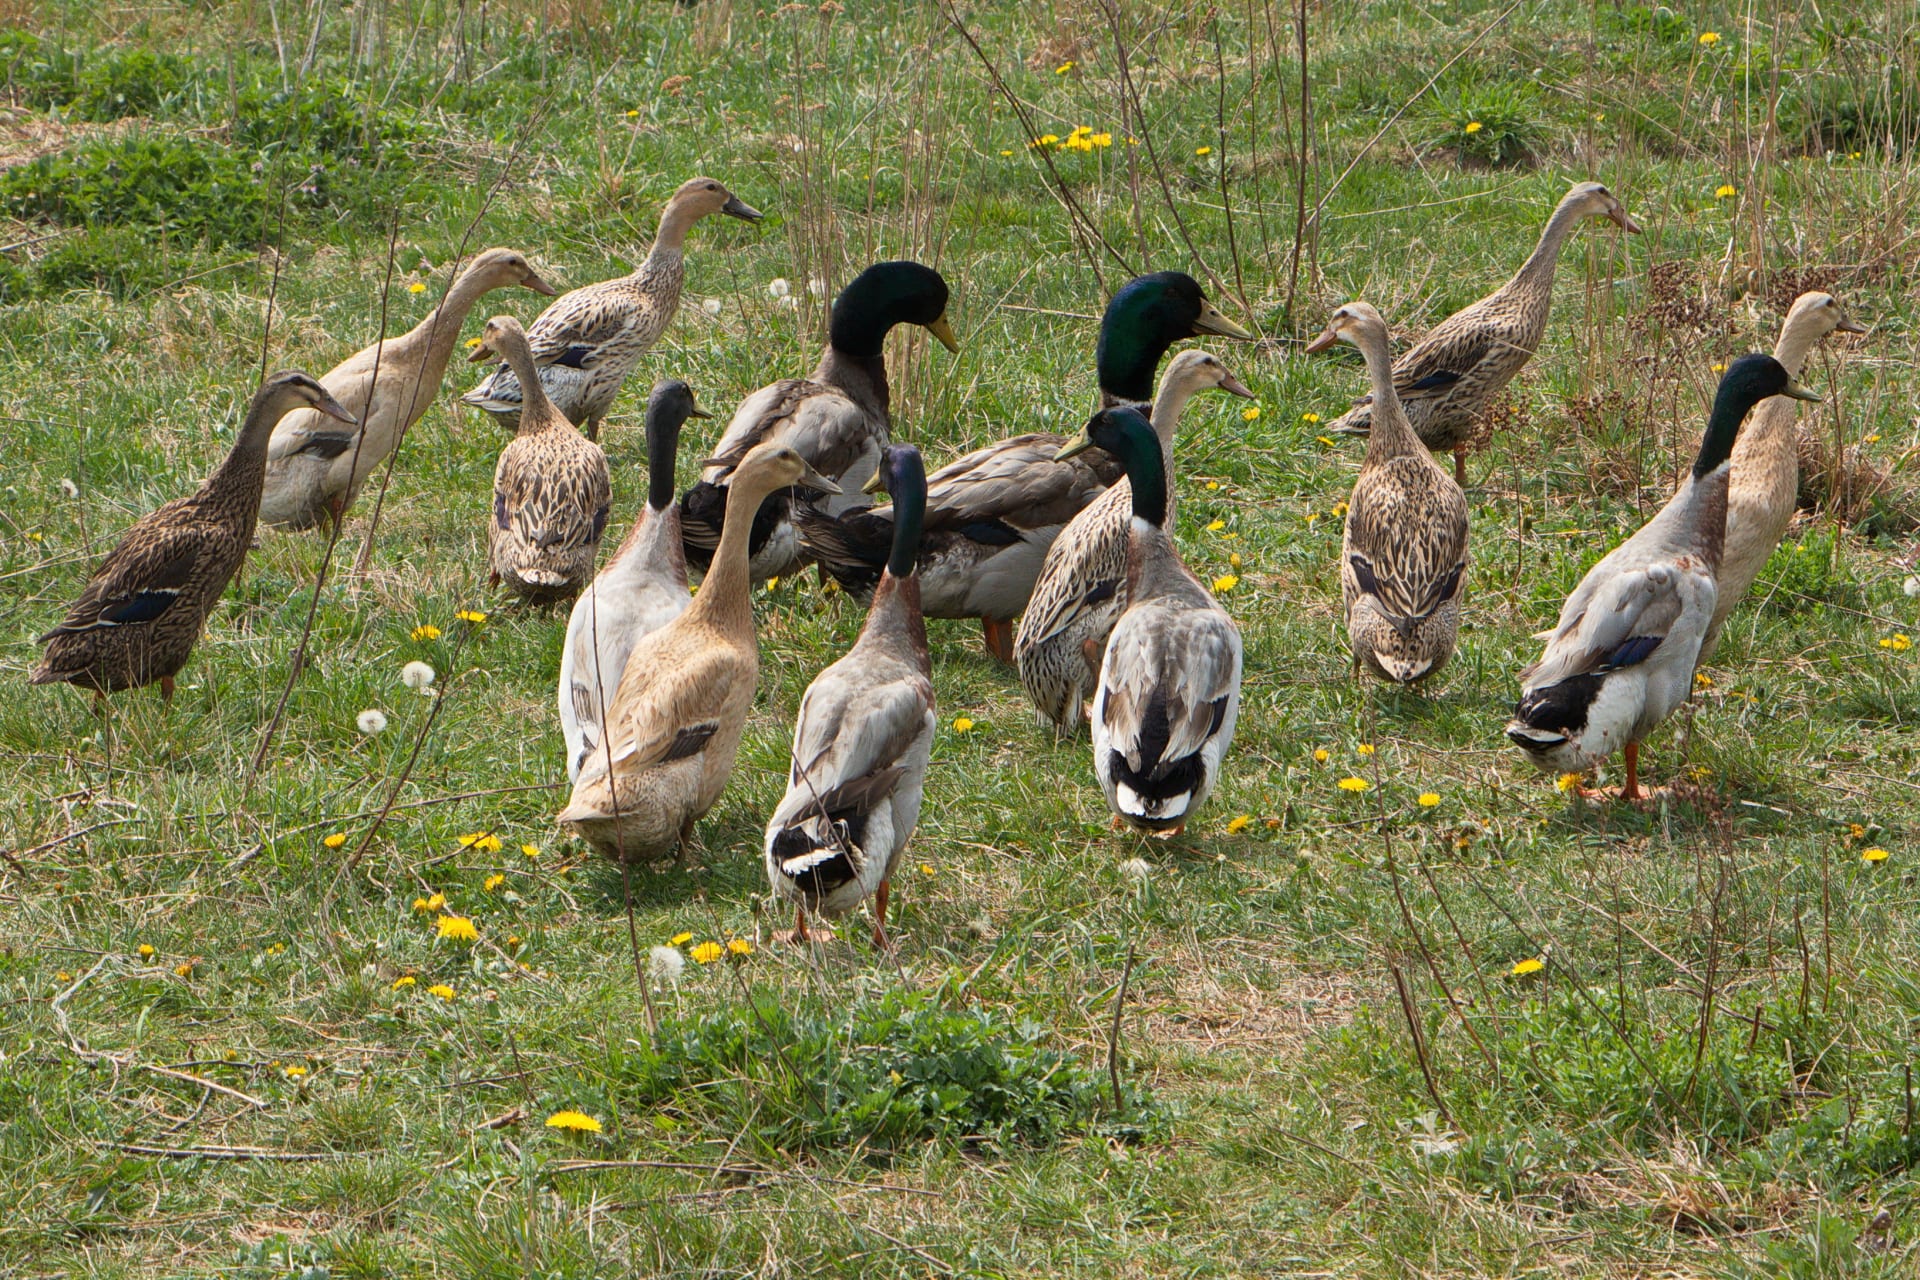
point(1453, 1023)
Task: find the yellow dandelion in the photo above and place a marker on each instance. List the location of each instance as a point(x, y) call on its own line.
point(1702, 679)
point(574, 1122)
point(739, 947)
point(633, 113)
point(1006, 153)
point(434, 903)
point(1474, 126)
point(1203, 151)
point(426, 631)
point(1063, 68)
point(1325, 440)
point(1718, 366)
point(416, 287)
point(335, 840)
point(1355, 785)
point(1709, 37)
point(1855, 831)
point(1566, 782)
point(530, 850)
point(63, 976)
point(1213, 485)
point(458, 928)
point(484, 841)
point(1874, 855)
point(442, 990)
point(471, 615)
point(1365, 748)
point(1725, 191)
point(1239, 824)
point(680, 939)
point(514, 939)
point(1215, 526)
point(1874, 438)
point(1309, 418)
point(1225, 583)
point(295, 1072)
point(472, 343)
point(184, 970)
point(146, 951)
point(1101, 140)
point(1339, 509)
point(1233, 558)
point(706, 952)
point(403, 982)
point(1321, 755)
point(493, 882)
point(773, 583)
point(1532, 964)
point(962, 725)
point(1428, 799)
point(926, 869)
point(1898, 642)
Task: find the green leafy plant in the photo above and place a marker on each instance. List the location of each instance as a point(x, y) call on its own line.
point(1495, 123)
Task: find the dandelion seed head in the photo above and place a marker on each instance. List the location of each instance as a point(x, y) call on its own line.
point(372, 721)
point(416, 675)
point(778, 287)
point(69, 488)
point(1136, 869)
point(711, 306)
point(665, 964)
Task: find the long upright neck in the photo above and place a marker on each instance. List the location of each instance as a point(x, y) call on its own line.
point(1167, 408)
point(725, 598)
point(244, 469)
point(1391, 434)
point(863, 378)
point(663, 447)
point(1147, 477)
point(536, 411)
point(909, 518)
point(432, 341)
point(895, 613)
point(671, 240)
point(1126, 361)
point(1537, 271)
point(1796, 341)
point(1723, 429)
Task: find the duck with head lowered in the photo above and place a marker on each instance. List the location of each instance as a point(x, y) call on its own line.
point(1622, 656)
point(143, 609)
point(837, 420)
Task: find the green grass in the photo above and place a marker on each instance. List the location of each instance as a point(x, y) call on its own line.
point(1709, 1077)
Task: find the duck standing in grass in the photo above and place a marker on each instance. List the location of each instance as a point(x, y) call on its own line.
point(589, 340)
point(1622, 657)
point(837, 420)
point(315, 466)
point(674, 724)
point(641, 589)
point(1169, 689)
point(1446, 380)
point(1765, 485)
point(861, 744)
point(1403, 552)
point(144, 608)
point(1077, 599)
point(551, 493)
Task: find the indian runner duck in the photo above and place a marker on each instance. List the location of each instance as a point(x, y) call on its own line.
point(837, 420)
point(1403, 554)
point(1077, 598)
point(861, 743)
point(1447, 378)
point(1622, 656)
point(1169, 689)
point(674, 724)
point(551, 492)
point(142, 611)
point(315, 466)
point(590, 339)
point(641, 589)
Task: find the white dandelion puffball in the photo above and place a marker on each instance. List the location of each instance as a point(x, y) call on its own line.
point(416, 675)
point(665, 963)
point(372, 721)
point(817, 287)
point(788, 301)
point(1912, 587)
point(1136, 869)
point(711, 306)
point(69, 488)
point(779, 288)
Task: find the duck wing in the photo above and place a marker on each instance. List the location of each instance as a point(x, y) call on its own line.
point(141, 580)
point(1634, 615)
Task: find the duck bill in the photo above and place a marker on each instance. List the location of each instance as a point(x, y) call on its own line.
point(334, 409)
point(942, 330)
point(735, 207)
point(481, 354)
point(539, 286)
point(1211, 321)
point(1849, 325)
point(876, 483)
point(1326, 339)
point(1078, 445)
point(814, 480)
point(1799, 392)
point(1621, 220)
point(698, 412)
point(1233, 386)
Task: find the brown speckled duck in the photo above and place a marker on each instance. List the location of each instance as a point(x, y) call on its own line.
point(590, 339)
point(551, 492)
point(1446, 379)
point(143, 609)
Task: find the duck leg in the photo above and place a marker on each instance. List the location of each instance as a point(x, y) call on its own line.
point(880, 939)
point(593, 428)
point(1460, 465)
point(1631, 791)
point(680, 847)
point(166, 690)
point(999, 634)
point(800, 934)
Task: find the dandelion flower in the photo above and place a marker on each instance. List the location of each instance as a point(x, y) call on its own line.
point(926, 869)
point(1709, 37)
point(1225, 583)
point(494, 882)
point(335, 840)
point(1006, 153)
point(665, 964)
point(1355, 785)
point(633, 113)
point(372, 721)
point(1566, 782)
point(1325, 440)
point(1532, 964)
point(403, 982)
point(1428, 799)
point(1233, 558)
point(1898, 642)
point(1725, 191)
point(1474, 126)
point(779, 288)
point(1321, 755)
point(1250, 413)
point(426, 631)
point(63, 976)
point(1136, 869)
point(1717, 367)
point(471, 615)
point(442, 990)
point(416, 288)
point(146, 951)
point(1063, 68)
point(1203, 151)
point(1365, 748)
point(962, 725)
point(1240, 823)
point(531, 851)
point(739, 947)
point(680, 939)
point(1339, 509)
point(294, 1072)
point(574, 1122)
point(416, 675)
point(706, 953)
point(1216, 526)
point(1855, 831)
point(184, 970)
point(1873, 855)
point(458, 928)
point(1309, 418)
point(711, 306)
point(424, 905)
point(484, 841)
point(1101, 140)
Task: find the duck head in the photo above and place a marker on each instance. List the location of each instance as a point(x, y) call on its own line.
point(884, 295)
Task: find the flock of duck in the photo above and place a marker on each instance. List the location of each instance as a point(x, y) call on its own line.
point(1068, 536)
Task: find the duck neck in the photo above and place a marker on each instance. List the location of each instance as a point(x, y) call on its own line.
point(1168, 405)
point(676, 220)
point(862, 377)
point(663, 450)
point(432, 340)
point(536, 411)
point(1127, 358)
point(895, 612)
point(909, 519)
point(1537, 271)
point(1391, 435)
point(725, 597)
point(244, 469)
point(1147, 477)
point(1796, 341)
point(1723, 430)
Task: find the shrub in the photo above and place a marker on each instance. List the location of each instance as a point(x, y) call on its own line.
point(196, 190)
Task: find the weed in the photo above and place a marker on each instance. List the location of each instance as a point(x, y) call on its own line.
point(1488, 123)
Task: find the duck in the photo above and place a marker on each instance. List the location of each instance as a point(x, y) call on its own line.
point(1622, 656)
point(590, 339)
point(315, 466)
point(551, 492)
point(1077, 599)
point(1168, 695)
point(837, 419)
point(674, 724)
point(142, 611)
point(862, 741)
point(641, 589)
point(1403, 552)
point(1761, 493)
point(1445, 380)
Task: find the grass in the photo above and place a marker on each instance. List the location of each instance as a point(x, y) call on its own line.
point(1326, 1063)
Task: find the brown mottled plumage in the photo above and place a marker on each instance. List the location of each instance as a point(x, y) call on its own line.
point(143, 609)
point(1403, 557)
point(550, 488)
point(1446, 379)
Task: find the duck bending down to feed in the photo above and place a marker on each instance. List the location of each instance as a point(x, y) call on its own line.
point(315, 466)
point(1403, 550)
point(1445, 380)
point(861, 743)
point(1169, 688)
point(1077, 599)
point(142, 611)
point(837, 420)
point(674, 724)
point(551, 492)
point(590, 339)
point(1622, 656)
point(1764, 487)
point(641, 589)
